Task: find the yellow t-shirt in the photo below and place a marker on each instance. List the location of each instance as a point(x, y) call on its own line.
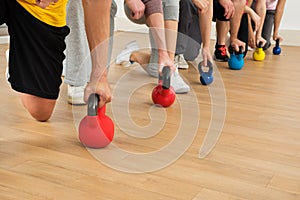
point(54, 14)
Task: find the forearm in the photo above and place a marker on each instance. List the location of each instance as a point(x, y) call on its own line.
point(205, 25)
point(97, 24)
point(278, 15)
point(250, 29)
point(250, 3)
point(236, 19)
point(248, 10)
point(156, 24)
point(260, 9)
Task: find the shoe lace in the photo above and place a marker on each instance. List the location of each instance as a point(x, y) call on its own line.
point(223, 50)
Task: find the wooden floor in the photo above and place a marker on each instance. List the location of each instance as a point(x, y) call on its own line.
point(256, 157)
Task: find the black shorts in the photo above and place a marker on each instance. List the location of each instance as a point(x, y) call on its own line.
point(218, 11)
point(36, 51)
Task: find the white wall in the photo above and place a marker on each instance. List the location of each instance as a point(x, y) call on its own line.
point(290, 19)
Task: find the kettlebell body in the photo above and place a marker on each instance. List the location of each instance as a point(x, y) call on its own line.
point(96, 130)
point(277, 49)
point(259, 54)
point(206, 78)
point(163, 94)
point(236, 60)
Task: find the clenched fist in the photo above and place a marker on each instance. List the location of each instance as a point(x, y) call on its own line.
point(45, 3)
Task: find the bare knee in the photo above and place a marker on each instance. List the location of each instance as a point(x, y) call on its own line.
point(39, 108)
point(239, 4)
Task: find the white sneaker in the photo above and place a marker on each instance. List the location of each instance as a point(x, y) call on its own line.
point(124, 56)
point(181, 62)
point(76, 95)
point(178, 83)
point(7, 70)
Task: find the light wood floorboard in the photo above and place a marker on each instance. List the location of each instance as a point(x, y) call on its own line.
point(257, 156)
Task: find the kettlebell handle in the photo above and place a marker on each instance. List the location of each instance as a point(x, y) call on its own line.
point(209, 65)
point(277, 42)
point(260, 45)
point(93, 104)
point(166, 78)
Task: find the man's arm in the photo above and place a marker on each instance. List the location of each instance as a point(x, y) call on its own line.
point(235, 21)
point(205, 29)
point(277, 19)
point(97, 24)
point(260, 9)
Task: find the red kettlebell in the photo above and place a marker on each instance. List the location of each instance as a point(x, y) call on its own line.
point(96, 130)
point(163, 94)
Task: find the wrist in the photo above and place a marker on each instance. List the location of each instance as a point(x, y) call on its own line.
point(98, 76)
point(206, 47)
point(162, 52)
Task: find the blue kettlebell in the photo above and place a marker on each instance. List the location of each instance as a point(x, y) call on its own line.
point(236, 60)
point(206, 77)
point(277, 49)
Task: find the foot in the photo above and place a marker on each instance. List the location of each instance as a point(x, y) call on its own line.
point(124, 57)
point(180, 61)
point(221, 53)
point(267, 46)
point(76, 95)
point(178, 83)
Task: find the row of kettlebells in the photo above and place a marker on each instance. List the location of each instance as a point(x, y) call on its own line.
point(236, 60)
point(96, 130)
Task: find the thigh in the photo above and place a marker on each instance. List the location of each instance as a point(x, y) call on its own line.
point(194, 41)
point(36, 54)
point(218, 11)
point(3, 11)
point(189, 36)
point(268, 24)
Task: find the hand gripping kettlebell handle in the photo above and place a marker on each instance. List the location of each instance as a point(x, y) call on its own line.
point(234, 52)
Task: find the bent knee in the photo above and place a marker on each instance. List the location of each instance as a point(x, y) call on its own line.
point(41, 117)
point(239, 3)
point(39, 108)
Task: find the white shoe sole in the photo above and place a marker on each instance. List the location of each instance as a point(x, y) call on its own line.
point(76, 101)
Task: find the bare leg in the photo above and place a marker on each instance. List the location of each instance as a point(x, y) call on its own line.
point(235, 21)
point(39, 108)
point(222, 28)
point(157, 29)
point(171, 36)
point(141, 57)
